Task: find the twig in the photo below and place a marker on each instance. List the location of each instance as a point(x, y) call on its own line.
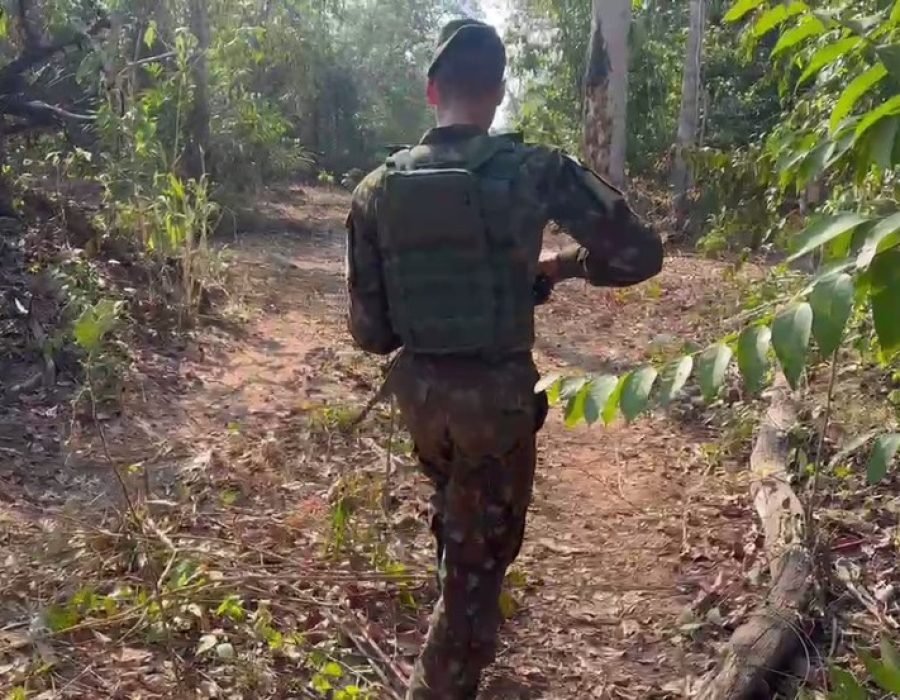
point(386, 486)
point(366, 646)
point(817, 467)
point(378, 396)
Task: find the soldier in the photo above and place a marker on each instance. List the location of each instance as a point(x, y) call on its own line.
point(444, 250)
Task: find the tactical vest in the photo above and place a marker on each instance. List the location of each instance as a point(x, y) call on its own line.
point(458, 278)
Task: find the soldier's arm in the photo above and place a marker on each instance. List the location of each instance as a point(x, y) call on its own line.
point(615, 248)
point(369, 321)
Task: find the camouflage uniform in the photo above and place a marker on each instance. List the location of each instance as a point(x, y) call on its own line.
point(474, 420)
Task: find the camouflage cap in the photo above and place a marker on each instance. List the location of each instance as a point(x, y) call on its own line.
point(459, 33)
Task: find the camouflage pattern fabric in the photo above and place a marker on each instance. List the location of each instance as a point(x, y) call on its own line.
point(474, 428)
point(614, 248)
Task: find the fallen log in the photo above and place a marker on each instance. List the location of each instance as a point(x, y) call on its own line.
point(762, 652)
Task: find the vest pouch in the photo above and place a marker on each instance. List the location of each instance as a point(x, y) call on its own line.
point(438, 261)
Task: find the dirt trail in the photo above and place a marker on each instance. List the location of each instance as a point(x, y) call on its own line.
point(625, 529)
point(630, 525)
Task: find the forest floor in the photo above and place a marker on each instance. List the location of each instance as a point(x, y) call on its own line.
point(255, 534)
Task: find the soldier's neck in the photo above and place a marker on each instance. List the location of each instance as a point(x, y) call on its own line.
point(465, 115)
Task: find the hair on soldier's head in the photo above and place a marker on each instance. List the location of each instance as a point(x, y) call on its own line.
point(470, 61)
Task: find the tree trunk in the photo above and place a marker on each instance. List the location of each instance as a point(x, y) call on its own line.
point(689, 119)
point(198, 122)
point(606, 89)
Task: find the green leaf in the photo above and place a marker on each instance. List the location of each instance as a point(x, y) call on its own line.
point(570, 386)
point(825, 230)
point(858, 87)
point(320, 684)
point(870, 119)
point(815, 163)
point(553, 392)
point(574, 412)
point(674, 377)
point(598, 394)
point(17, 693)
point(895, 14)
point(887, 678)
point(881, 139)
point(832, 302)
point(845, 686)
point(890, 657)
point(807, 27)
point(232, 608)
point(827, 55)
point(150, 34)
point(740, 9)
point(60, 618)
point(636, 392)
point(332, 670)
point(546, 382)
point(612, 403)
point(881, 457)
point(509, 606)
point(711, 368)
point(876, 238)
point(752, 356)
point(94, 323)
point(790, 338)
point(770, 19)
point(885, 274)
point(890, 56)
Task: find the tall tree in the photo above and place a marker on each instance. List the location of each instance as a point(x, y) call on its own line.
point(688, 120)
point(198, 124)
point(606, 88)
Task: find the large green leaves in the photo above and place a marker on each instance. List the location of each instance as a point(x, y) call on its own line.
point(888, 108)
point(844, 686)
point(832, 302)
point(636, 392)
point(882, 454)
point(777, 15)
point(858, 87)
point(807, 27)
point(752, 356)
point(612, 404)
point(740, 9)
point(674, 377)
point(884, 672)
point(94, 323)
point(827, 55)
point(598, 394)
point(790, 339)
point(824, 231)
point(883, 235)
point(575, 406)
point(711, 369)
point(885, 299)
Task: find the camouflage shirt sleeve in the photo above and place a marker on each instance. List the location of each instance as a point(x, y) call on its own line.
point(615, 248)
point(368, 317)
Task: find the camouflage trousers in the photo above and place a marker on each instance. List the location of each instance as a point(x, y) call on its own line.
point(474, 427)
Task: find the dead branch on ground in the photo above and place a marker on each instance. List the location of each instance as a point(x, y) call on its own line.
point(763, 650)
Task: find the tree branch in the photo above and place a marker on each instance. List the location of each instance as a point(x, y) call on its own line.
point(39, 112)
point(38, 53)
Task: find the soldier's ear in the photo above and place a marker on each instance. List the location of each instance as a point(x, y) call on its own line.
point(432, 94)
point(501, 93)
